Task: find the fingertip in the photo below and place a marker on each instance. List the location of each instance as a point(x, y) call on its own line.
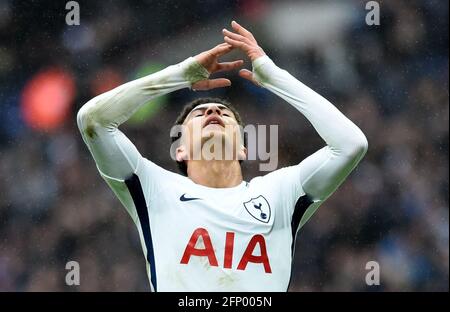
point(245, 73)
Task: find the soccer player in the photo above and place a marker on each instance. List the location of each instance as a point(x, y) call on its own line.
point(208, 229)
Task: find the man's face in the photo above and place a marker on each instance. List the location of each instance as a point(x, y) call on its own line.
point(211, 127)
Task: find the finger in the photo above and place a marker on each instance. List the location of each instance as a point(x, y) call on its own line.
point(226, 66)
point(220, 46)
point(234, 36)
point(236, 43)
point(221, 49)
point(246, 74)
point(211, 84)
point(241, 30)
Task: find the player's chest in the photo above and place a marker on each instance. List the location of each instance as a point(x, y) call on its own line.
point(218, 230)
point(242, 210)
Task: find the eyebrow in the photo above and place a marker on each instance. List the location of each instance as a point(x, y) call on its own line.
point(222, 107)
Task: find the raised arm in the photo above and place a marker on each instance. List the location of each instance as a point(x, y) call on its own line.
point(98, 120)
point(321, 173)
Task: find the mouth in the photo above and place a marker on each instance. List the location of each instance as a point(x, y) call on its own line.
point(213, 120)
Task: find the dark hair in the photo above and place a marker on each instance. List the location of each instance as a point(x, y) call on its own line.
point(188, 108)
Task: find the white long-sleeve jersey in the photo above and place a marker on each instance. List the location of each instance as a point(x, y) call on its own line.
point(197, 238)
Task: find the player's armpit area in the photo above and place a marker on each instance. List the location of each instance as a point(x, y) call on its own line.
point(323, 172)
point(115, 155)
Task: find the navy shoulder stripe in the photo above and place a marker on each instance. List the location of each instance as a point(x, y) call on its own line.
point(135, 188)
point(301, 206)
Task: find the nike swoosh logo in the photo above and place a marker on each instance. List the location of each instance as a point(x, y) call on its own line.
point(184, 198)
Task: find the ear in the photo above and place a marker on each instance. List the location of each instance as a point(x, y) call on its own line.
point(242, 154)
point(181, 153)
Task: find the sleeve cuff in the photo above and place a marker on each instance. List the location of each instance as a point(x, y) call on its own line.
point(193, 71)
point(263, 69)
point(260, 61)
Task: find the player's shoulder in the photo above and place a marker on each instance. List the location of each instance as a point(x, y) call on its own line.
point(279, 175)
point(163, 179)
point(149, 168)
point(285, 182)
point(155, 180)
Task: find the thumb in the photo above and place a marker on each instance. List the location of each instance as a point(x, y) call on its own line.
point(211, 84)
point(245, 73)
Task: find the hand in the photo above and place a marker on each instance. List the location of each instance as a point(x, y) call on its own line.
point(244, 41)
point(209, 60)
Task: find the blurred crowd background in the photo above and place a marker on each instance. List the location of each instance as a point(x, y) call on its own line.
point(391, 80)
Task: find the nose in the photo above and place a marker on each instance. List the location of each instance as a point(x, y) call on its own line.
point(213, 109)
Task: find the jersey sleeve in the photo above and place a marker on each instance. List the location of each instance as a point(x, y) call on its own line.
point(116, 157)
point(319, 175)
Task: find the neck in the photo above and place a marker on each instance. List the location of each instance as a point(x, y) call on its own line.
point(215, 173)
